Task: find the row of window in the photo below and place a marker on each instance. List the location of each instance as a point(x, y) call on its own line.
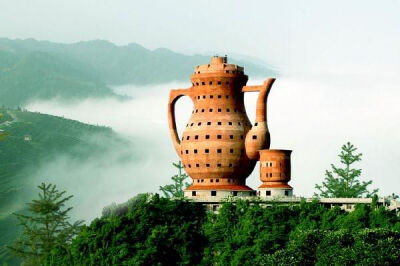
point(270, 174)
point(219, 123)
point(203, 83)
point(234, 193)
point(219, 110)
point(268, 193)
point(196, 137)
point(212, 180)
point(213, 193)
point(197, 165)
point(268, 164)
point(195, 151)
point(226, 71)
point(217, 96)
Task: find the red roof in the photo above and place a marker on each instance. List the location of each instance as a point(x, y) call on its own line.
point(274, 186)
point(219, 187)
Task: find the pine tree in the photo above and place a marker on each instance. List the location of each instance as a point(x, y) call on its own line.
point(344, 182)
point(45, 227)
point(175, 190)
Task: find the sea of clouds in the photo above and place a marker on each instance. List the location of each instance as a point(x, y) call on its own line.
point(313, 115)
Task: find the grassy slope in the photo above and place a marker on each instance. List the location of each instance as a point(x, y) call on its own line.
point(50, 136)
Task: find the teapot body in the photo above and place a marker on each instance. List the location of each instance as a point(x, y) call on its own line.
point(213, 142)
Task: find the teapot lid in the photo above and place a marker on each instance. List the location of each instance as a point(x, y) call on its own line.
point(219, 64)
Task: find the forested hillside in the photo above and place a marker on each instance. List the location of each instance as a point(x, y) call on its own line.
point(32, 69)
point(34, 139)
point(160, 231)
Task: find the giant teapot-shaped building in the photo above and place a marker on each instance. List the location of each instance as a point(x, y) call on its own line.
point(219, 146)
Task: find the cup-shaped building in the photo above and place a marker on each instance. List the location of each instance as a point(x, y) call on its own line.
point(275, 171)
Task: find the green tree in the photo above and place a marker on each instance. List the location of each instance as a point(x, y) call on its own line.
point(344, 182)
point(45, 227)
point(175, 190)
point(3, 133)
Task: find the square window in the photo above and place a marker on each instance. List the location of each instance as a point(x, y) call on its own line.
point(219, 150)
point(210, 83)
point(254, 137)
point(199, 124)
point(215, 207)
point(206, 150)
point(197, 84)
point(190, 166)
point(207, 165)
point(219, 96)
point(211, 180)
point(197, 111)
point(255, 124)
point(210, 110)
point(196, 137)
point(187, 151)
point(211, 96)
point(213, 193)
point(217, 180)
point(239, 123)
point(202, 180)
point(231, 136)
point(227, 96)
point(194, 192)
point(218, 165)
point(234, 193)
point(268, 193)
point(230, 123)
point(219, 123)
point(270, 174)
point(188, 137)
point(208, 123)
point(241, 136)
point(230, 165)
point(207, 136)
point(227, 109)
point(198, 97)
point(203, 83)
point(227, 83)
point(195, 151)
point(204, 96)
point(219, 82)
point(219, 110)
point(286, 192)
point(197, 165)
point(231, 150)
point(227, 71)
point(235, 110)
point(202, 110)
point(219, 136)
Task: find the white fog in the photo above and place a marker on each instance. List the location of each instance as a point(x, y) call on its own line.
point(313, 116)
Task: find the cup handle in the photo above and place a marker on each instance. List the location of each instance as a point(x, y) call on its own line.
point(174, 96)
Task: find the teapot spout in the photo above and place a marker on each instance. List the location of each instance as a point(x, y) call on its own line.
point(258, 137)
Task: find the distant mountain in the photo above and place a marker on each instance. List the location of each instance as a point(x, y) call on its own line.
point(35, 139)
point(39, 75)
point(41, 69)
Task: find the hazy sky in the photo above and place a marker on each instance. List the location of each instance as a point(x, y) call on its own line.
point(339, 65)
point(301, 35)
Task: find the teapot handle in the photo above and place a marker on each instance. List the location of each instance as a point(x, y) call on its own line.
point(174, 95)
point(261, 110)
